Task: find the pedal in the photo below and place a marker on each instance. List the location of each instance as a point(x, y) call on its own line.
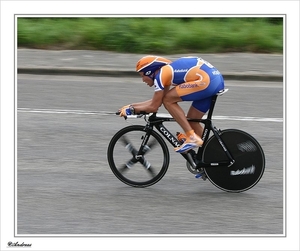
point(201, 174)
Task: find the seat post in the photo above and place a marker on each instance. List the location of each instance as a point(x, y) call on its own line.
point(213, 102)
point(212, 106)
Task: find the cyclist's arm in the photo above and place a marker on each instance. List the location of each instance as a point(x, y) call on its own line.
point(153, 104)
point(162, 86)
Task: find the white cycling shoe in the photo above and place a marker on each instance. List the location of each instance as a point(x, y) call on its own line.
point(190, 143)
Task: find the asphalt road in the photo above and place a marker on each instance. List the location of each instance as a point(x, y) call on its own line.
point(65, 186)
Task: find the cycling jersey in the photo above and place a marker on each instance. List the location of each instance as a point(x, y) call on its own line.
point(194, 79)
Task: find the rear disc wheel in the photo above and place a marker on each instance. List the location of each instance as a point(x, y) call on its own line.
point(249, 159)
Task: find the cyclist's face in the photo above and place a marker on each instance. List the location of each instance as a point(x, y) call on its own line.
point(146, 79)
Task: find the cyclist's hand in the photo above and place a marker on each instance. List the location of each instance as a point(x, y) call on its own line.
point(126, 110)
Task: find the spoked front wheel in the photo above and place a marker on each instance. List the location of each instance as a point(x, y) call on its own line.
point(133, 169)
point(249, 159)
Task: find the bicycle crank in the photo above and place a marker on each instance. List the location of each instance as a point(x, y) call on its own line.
point(199, 173)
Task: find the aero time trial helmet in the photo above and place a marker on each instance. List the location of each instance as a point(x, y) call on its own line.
point(149, 64)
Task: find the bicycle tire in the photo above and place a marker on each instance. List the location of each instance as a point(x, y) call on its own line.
point(249, 159)
point(149, 169)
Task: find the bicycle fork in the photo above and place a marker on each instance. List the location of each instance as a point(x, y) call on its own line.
point(138, 155)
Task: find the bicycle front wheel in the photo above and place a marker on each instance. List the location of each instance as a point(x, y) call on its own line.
point(138, 171)
point(249, 159)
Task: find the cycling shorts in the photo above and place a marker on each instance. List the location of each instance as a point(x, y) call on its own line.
point(201, 91)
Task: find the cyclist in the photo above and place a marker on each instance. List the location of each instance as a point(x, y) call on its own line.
point(194, 79)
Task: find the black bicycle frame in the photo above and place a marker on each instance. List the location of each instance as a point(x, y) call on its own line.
point(157, 122)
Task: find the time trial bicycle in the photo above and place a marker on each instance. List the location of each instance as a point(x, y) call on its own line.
point(230, 159)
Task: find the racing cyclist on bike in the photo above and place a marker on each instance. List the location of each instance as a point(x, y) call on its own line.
point(194, 79)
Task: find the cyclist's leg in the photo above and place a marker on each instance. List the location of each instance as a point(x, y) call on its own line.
point(185, 92)
point(197, 110)
point(193, 140)
point(170, 102)
point(196, 91)
point(202, 101)
point(195, 113)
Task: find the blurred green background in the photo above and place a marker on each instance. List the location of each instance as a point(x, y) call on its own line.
point(163, 35)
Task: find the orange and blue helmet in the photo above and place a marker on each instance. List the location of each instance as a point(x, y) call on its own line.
point(149, 64)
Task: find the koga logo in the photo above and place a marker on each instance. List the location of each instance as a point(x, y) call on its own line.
point(169, 136)
point(244, 171)
point(181, 70)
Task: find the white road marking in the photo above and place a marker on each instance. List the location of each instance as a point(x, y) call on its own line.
point(58, 111)
point(83, 112)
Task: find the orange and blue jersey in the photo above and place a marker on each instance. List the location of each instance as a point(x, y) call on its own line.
point(194, 79)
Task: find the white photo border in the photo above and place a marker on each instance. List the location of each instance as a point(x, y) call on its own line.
point(9, 10)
